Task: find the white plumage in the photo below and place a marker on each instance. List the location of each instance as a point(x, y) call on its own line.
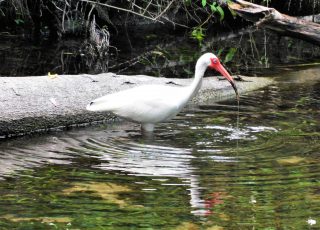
point(151, 104)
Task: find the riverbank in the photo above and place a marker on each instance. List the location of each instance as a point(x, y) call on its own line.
point(40, 104)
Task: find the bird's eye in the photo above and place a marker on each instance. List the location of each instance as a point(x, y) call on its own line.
point(215, 61)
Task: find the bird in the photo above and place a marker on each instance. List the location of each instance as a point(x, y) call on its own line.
point(152, 104)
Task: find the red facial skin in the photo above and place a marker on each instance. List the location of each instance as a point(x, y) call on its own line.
point(215, 64)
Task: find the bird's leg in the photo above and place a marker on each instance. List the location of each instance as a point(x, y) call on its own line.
point(147, 128)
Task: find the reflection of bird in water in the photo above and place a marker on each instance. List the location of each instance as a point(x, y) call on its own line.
point(161, 162)
point(151, 104)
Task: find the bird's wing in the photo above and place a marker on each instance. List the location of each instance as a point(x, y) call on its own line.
point(145, 104)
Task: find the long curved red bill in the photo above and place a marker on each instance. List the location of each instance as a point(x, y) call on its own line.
point(225, 73)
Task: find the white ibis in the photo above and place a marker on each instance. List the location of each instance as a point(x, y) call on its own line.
point(151, 104)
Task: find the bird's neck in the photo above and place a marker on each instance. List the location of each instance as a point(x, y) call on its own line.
point(196, 83)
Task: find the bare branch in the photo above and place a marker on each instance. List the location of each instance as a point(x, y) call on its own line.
point(145, 9)
point(168, 6)
point(122, 9)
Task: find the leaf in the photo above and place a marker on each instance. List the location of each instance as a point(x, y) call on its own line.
point(159, 53)
point(197, 33)
point(221, 12)
point(230, 54)
point(213, 7)
point(233, 13)
point(19, 21)
point(204, 3)
point(220, 52)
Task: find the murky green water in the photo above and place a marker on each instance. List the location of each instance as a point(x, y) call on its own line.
point(198, 172)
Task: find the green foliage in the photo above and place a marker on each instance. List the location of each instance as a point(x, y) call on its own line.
point(19, 21)
point(230, 54)
point(233, 13)
point(264, 60)
point(220, 52)
point(198, 34)
point(290, 43)
point(215, 8)
point(221, 12)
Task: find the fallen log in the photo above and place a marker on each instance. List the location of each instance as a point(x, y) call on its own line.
point(274, 20)
point(40, 104)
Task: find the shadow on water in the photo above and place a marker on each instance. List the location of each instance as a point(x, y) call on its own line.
point(198, 171)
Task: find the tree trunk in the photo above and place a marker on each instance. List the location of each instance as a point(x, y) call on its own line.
point(274, 20)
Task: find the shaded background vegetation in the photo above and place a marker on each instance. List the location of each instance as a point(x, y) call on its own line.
point(65, 36)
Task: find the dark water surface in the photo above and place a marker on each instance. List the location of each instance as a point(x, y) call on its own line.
point(198, 172)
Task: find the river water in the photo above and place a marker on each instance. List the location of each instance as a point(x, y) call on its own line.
point(199, 171)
